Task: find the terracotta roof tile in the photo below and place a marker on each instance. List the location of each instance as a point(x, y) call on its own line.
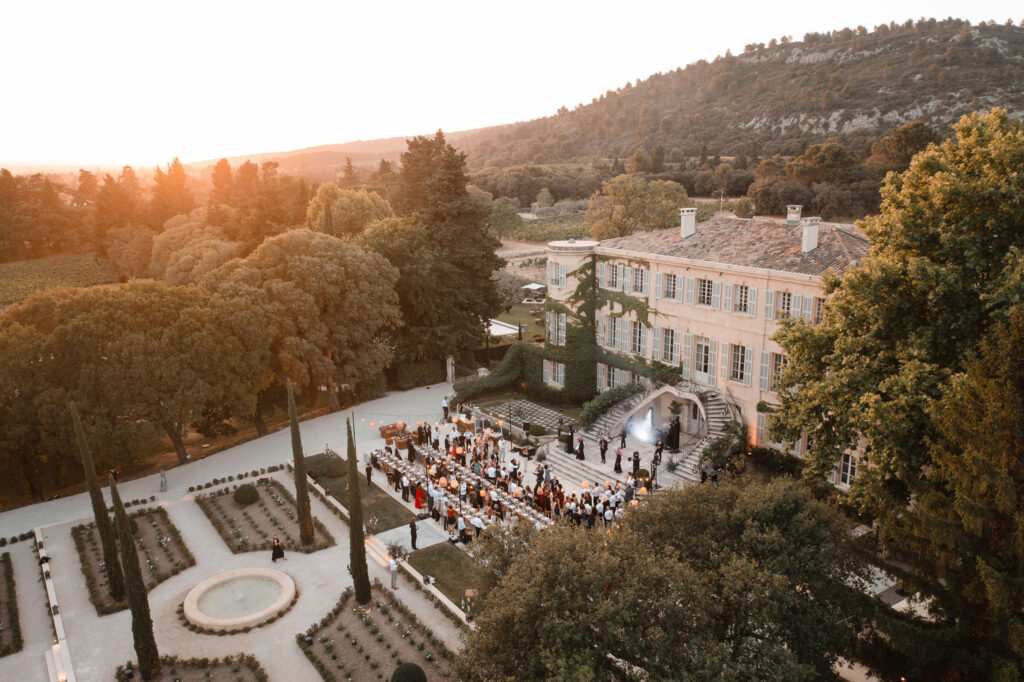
point(768, 243)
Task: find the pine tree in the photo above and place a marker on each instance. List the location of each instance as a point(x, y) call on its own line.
point(301, 492)
point(115, 579)
point(138, 600)
point(357, 550)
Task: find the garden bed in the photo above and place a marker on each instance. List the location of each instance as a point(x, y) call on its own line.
point(10, 627)
point(162, 554)
point(236, 668)
point(252, 527)
point(354, 642)
point(381, 512)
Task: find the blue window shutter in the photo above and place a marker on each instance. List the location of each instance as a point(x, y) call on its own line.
point(600, 274)
point(658, 284)
point(726, 359)
point(656, 346)
point(627, 280)
point(769, 304)
point(752, 302)
point(716, 295)
point(689, 290)
point(748, 365)
point(766, 367)
point(727, 297)
point(712, 361)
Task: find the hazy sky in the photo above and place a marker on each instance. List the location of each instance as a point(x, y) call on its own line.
point(140, 82)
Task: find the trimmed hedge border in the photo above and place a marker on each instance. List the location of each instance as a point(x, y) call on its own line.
point(241, 659)
point(11, 617)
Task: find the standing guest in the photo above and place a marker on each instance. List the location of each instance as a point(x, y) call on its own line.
point(478, 525)
point(622, 437)
point(277, 551)
point(460, 525)
point(618, 460)
point(462, 490)
point(444, 407)
point(369, 470)
point(412, 533)
point(636, 462)
point(501, 449)
point(579, 448)
point(163, 479)
point(405, 488)
point(603, 445)
point(393, 565)
point(570, 440)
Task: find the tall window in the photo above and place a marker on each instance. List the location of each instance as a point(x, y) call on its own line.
point(819, 304)
point(702, 356)
point(613, 277)
point(779, 362)
point(671, 287)
point(739, 364)
point(638, 339)
point(670, 346)
point(848, 470)
point(614, 329)
point(741, 298)
point(783, 303)
point(556, 334)
point(704, 288)
point(640, 281)
point(554, 373)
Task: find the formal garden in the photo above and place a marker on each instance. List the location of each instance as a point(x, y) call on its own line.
point(162, 554)
point(353, 642)
point(247, 516)
point(455, 573)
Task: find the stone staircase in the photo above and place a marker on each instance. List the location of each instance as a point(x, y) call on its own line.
point(571, 472)
point(611, 421)
point(719, 416)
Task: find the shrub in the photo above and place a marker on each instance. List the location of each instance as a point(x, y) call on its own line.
point(602, 402)
point(408, 672)
point(246, 495)
point(538, 430)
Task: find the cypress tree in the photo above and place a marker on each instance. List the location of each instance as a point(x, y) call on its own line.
point(135, 589)
point(301, 491)
point(357, 550)
point(115, 579)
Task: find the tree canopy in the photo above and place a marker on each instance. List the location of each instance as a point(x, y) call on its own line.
point(345, 212)
point(945, 265)
point(743, 581)
point(629, 203)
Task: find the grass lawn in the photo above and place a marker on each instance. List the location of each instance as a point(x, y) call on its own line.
point(520, 314)
point(381, 512)
point(20, 279)
point(454, 570)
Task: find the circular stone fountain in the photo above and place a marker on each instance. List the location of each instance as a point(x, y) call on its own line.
point(242, 598)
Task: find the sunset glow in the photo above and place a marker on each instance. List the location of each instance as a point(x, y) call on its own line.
point(115, 83)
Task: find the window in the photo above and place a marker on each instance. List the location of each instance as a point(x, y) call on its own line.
point(640, 279)
point(819, 304)
point(848, 470)
point(613, 376)
point(779, 362)
point(638, 339)
point(671, 287)
point(614, 330)
point(554, 373)
point(556, 274)
point(739, 364)
point(704, 289)
point(612, 279)
point(556, 328)
point(702, 356)
point(670, 346)
point(783, 303)
point(741, 299)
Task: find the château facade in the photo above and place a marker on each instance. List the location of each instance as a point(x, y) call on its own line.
point(705, 299)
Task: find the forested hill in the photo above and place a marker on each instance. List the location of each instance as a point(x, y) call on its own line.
point(855, 85)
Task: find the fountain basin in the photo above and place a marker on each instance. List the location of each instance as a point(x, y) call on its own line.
point(238, 599)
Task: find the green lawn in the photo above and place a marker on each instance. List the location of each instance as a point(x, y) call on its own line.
point(381, 512)
point(20, 279)
point(454, 570)
point(520, 314)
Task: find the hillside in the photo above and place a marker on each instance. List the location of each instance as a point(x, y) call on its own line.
point(855, 85)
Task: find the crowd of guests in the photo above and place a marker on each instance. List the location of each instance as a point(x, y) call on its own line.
point(467, 481)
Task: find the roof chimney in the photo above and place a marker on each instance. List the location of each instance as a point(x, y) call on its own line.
point(810, 237)
point(687, 222)
point(793, 214)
